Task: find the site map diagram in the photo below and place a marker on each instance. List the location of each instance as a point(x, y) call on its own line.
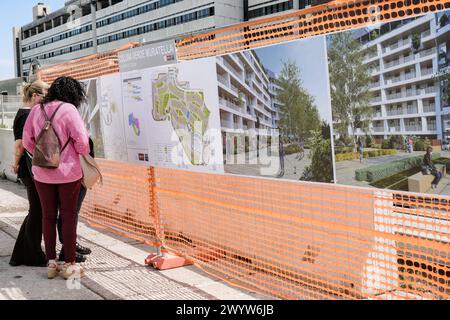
point(186, 109)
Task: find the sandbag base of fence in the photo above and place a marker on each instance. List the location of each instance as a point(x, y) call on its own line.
point(166, 262)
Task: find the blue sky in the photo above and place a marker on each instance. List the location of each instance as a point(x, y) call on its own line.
point(16, 13)
point(311, 58)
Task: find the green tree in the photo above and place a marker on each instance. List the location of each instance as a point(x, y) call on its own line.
point(298, 113)
point(321, 168)
point(349, 80)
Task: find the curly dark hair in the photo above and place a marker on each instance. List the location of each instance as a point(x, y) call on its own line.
point(66, 89)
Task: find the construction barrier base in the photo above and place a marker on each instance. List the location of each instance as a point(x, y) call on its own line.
point(166, 262)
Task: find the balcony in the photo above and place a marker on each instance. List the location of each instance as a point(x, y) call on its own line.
point(431, 126)
point(426, 72)
point(393, 96)
point(223, 80)
point(375, 99)
point(396, 45)
point(429, 90)
point(399, 61)
point(429, 108)
point(394, 129)
point(233, 70)
point(425, 34)
point(375, 84)
point(378, 129)
point(377, 114)
point(227, 124)
point(370, 55)
point(427, 52)
point(235, 89)
point(395, 112)
point(414, 127)
point(404, 77)
point(231, 105)
point(374, 69)
point(413, 110)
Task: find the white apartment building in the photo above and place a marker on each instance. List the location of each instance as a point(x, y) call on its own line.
point(245, 100)
point(406, 95)
point(70, 32)
point(254, 9)
point(276, 105)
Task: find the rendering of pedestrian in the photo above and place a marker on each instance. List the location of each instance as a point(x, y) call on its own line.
point(360, 150)
point(428, 163)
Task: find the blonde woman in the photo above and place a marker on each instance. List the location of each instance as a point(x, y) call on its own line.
point(27, 250)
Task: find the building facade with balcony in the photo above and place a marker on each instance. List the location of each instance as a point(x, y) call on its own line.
point(254, 9)
point(84, 27)
point(403, 60)
point(245, 99)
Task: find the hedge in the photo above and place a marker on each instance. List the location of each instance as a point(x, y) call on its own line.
point(381, 171)
point(291, 149)
point(366, 154)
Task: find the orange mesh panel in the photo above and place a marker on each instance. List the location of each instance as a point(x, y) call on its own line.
point(89, 67)
point(304, 240)
point(331, 17)
point(292, 240)
point(124, 202)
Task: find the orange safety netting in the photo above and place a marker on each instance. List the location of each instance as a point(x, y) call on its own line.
point(292, 240)
point(89, 67)
point(331, 17)
point(334, 16)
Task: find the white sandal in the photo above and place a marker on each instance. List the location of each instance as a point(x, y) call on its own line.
point(72, 270)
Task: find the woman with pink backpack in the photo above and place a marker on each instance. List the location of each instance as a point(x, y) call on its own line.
point(56, 136)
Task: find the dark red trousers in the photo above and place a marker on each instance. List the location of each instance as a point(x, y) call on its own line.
point(65, 198)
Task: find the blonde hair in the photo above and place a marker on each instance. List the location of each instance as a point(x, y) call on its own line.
point(37, 87)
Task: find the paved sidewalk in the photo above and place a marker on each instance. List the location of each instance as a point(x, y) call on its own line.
point(114, 271)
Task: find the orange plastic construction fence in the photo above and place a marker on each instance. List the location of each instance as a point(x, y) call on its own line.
point(334, 16)
point(290, 240)
point(331, 17)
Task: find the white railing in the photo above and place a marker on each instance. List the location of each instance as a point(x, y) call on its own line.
point(227, 124)
point(8, 109)
point(430, 89)
point(223, 80)
point(396, 45)
point(394, 129)
point(413, 128)
point(231, 105)
point(370, 55)
point(374, 84)
point(425, 72)
point(375, 99)
point(412, 110)
point(427, 52)
point(378, 129)
point(233, 70)
point(406, 76)
point(395, 112)
point(393, 96)
point(429, 108)
point(426, 34)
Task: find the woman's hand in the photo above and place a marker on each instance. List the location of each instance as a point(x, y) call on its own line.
point(15, 168)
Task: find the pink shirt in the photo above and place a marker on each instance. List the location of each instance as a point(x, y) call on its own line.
point(67, 124)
